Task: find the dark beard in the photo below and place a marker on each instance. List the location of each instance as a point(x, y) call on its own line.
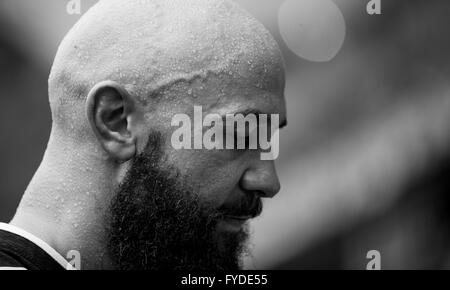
point(158, 223)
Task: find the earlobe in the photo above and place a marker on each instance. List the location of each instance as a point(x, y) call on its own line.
point(109, 108)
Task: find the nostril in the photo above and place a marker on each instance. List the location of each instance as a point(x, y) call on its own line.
point(260, 194)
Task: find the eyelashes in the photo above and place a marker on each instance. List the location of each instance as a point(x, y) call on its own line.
point(246, 140)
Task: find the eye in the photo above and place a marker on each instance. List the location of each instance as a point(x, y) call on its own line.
point(243, 136)
point(239, 138)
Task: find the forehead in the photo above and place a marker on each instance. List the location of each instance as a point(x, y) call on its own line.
point(251, 80)
point(227, 93)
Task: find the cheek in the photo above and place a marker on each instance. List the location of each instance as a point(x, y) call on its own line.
point(217, 185)
point(213, 174)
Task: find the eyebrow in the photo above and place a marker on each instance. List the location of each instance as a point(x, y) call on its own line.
point(256, 112)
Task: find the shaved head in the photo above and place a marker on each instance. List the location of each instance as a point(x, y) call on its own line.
point(111, 184)
point(149, 46)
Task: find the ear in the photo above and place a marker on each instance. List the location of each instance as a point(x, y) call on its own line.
point(109, 109)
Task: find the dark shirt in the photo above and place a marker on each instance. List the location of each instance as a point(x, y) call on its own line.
point(17, 252)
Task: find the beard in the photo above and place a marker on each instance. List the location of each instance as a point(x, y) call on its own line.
point(158, 223)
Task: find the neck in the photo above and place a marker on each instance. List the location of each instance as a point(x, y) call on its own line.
point(66, 203)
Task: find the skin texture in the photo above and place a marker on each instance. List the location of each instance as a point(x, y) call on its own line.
point(114, 83)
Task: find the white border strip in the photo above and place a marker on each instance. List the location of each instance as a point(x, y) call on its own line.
point(38, 242)
point(12, 269)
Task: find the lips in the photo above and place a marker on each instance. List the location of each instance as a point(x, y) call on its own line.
point(233, 224)
point(235, 215)
point(239, 218)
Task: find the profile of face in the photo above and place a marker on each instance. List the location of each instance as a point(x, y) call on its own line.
point(185, 209)
point(189, 209)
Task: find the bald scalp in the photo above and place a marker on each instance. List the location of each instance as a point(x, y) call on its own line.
point(150, 45)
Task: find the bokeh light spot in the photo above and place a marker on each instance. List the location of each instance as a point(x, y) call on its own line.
point(313, 29)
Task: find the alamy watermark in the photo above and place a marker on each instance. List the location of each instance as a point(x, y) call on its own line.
point(74, 260)
point(374, 257)
point(374, 7)
point(73, 7)
point(230, 132)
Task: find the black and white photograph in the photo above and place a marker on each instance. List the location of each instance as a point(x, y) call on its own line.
point(234, 137)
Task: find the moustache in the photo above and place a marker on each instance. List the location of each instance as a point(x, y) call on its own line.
point(250, 205)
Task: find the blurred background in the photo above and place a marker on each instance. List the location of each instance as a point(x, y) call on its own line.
point(364, 162)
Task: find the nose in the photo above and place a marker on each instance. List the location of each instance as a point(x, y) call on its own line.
point(261, 178)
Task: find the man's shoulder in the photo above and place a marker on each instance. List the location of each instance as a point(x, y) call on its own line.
point(18, 253)
point(9, 262)
point(11, 249)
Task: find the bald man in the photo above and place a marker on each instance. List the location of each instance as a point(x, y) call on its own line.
point(112, 192)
